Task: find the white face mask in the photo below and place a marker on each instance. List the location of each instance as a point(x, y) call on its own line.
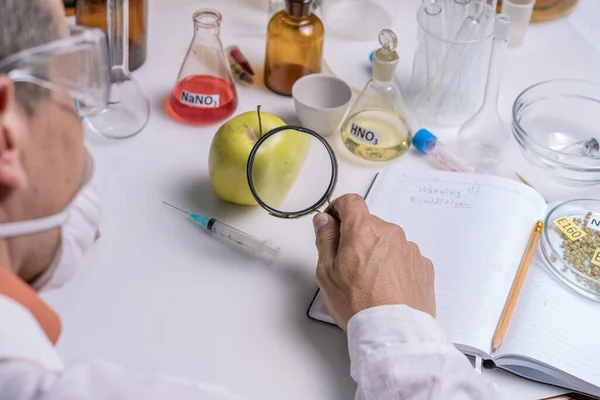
point(79, 224)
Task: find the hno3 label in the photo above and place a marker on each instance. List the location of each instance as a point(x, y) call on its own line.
point(200, 100)
point(364, 135)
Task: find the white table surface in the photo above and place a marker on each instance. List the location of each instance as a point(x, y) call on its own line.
point(157, 294)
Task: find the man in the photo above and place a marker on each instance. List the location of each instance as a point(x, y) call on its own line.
point(377, 285)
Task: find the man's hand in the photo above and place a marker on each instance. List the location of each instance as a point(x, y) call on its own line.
point(366, 262)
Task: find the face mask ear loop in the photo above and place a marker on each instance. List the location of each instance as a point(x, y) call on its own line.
point(21, 228)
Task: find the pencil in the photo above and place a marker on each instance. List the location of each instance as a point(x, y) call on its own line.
point(513, 296)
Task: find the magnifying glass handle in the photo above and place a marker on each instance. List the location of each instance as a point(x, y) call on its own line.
point(331, 211)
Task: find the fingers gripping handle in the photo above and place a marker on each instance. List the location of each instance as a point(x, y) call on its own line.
point(331, 211)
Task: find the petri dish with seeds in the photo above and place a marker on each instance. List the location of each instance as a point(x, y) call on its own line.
point(570, 245)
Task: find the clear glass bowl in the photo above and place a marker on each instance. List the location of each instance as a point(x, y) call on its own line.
point(553, 121)
point(553, 250)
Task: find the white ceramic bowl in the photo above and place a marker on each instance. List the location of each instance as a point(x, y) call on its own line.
point(321, 101)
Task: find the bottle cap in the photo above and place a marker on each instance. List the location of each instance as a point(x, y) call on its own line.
point(298, 8)
point(385, 59)
point(371, 54)
point(424, 141)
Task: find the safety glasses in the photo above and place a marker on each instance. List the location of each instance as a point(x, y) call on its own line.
point(77, 65)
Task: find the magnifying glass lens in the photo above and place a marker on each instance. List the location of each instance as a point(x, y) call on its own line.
point(291, 172)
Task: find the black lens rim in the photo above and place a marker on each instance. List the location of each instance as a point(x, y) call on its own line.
point(292, 214)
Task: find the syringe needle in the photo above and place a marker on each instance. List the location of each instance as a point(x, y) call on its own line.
point(177, 208)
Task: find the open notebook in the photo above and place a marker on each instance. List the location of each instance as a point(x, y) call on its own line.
point(475, 229)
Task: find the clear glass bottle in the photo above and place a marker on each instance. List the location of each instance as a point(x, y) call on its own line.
point(69, 7)
point(94, 13)
point(294, 46)
point(377, 127)
point(205, 91)
point(484, 138)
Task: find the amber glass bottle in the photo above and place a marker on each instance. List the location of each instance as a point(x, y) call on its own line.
point(93, 13)
point(547, 10)
point(294, 46)
point(69, 7)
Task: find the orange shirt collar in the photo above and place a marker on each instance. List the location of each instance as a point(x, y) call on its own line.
point(15, 288)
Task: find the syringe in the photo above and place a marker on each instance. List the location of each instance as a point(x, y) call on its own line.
point(428, 144)
point(260, 248)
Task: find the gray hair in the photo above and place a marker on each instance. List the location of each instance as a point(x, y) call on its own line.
point(25, 24)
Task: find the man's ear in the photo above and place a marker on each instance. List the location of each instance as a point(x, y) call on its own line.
point(12, 173)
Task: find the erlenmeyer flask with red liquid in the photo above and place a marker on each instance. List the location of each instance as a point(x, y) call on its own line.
point(205, 91)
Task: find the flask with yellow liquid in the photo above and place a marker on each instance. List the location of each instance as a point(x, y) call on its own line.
point(376, 128)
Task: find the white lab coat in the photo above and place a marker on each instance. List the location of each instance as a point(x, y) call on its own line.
point(395, 351)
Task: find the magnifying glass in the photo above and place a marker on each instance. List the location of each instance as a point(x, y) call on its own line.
point(292, 172)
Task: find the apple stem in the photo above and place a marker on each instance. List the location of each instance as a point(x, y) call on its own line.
point(259, 121)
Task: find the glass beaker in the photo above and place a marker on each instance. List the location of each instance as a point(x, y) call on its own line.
point(205, 91)
point(94, 13)
point(450, 65)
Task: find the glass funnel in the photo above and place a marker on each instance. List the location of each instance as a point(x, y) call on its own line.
point(205, 92)
point(484, 138)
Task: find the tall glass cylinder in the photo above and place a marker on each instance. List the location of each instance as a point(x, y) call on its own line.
point(450, 65)
point(94, 13)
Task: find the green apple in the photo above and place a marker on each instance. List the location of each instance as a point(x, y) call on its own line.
point(276, 164)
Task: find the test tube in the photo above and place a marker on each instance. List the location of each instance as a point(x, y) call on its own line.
point(434, 22)
point(459, 11)
point(454, 59)
point(432, 7)
point(428, 144)
point(239, 73)
point(235, 53)
point(488, 18)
